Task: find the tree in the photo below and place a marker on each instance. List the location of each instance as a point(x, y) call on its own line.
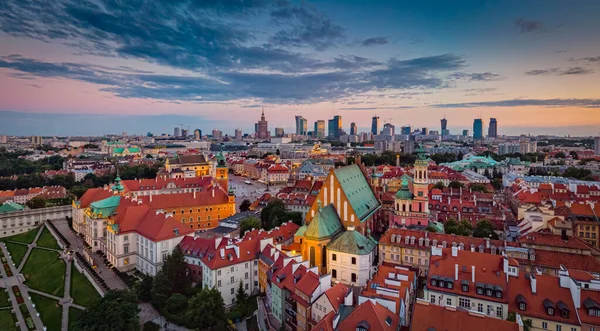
point(455, 184)
point(36, 202)
point(431, 229)
point(462, 228)
point(460, 156)
point(560, 155)
point(439, 185)
point(497, 183)
point(161, 291)
point(151, 326)
point(245, 205)
point(144, 289)
point(485, 229)
point(175, 270)
point(273, 214)
point(241, 300)
point(177, 303)
point(249, 223)
point(206, 311)
point(574, 155)
point(478, 188)
point(117, 311)
point(149, 156)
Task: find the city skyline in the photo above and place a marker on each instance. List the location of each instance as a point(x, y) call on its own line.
point(532, 66)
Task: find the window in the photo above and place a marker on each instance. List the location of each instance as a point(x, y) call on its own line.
point(488, 292)
point(353, 260)
point(433, 282)
point(564, 313)
point(558, 328)
point(232, 290)
point(333, 273)
point(522, 306)
point(125, 249)
point(333, 257)
point(544, 325)
point(199, 218)
point(231, 270)
point(465, 303)
point(432, 299)
point(246, 275)
point(480, 290)
point(353, 278)
point(498, 294)
point(499, 311)
point(465, 288)
point(219, 283)
point(480, 307)
point(218, 272)
point(448, 302)
point(246, 287)
point(450, 285)
point(232, 280)
point(183, 220)
point(441, 283)
point(550, 311)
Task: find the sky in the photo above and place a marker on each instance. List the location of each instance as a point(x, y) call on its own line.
point(82, 67)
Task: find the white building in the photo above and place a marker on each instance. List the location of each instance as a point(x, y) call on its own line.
point(350, 258)
point(331, 300)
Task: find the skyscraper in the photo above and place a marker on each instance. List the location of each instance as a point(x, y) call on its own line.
point(238, 134)
point(597, 145)
point(177, 132)
point(262, 127)
point(389, 129)
point(197, 134)
point(405, 130)
point(279, 132)
point(335, 126)
point(424, 131)
point(353, 128)
point(375, 125)
point(320, 129)
point(301, 125)
point(444, 127)
point(184, 133)
point(465, 133)
point(478, 129)
point(493, 128)
point(217, 134)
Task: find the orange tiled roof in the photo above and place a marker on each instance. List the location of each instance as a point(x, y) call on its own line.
point(161, 183)
point(553, 240)
point(336, 295)
point(571, 261)
point(376, 316)
point(93, 194)
point(452, 319)
point(204, 198)
point(582, 209)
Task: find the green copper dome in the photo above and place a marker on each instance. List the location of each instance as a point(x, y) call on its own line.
point(404, 193)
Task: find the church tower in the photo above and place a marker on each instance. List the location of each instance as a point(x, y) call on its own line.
point(420, 183)
point(221, 171)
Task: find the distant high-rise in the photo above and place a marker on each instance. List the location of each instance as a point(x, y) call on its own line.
point(493, 128)
point(478, 129)
point(279, 132)
point(197, 134)
point(375, 125)
point(444, 127)
point(389, 129)
point(353, 128)
point(335, 126)
point(319, 129)
point(465, 133)
point(217, 134)
point(37, 140)
point(184, 133)
point(597, 145)
point(405, 130)
point(177, 132)
point(3, 139)
point(301, 125)
point(424, 131)
point(238, 134)
point(262, 127)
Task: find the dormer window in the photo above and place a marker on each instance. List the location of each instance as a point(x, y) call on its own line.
point(450, 285)
point(550, 311)
point(433, 282)
point(522, 306)
point(442, 284)
point(564, 313)
point(465, 288)
point(499, 294)
point(488, 292)
point(479, 290)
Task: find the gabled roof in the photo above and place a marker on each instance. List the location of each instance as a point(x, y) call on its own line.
point(336, 295)
point(352, 242)
point(357, 190)
point(326, 223)
point(432, 317)
point(374, 317)
point(106, 207)
point(93, 194)
point(10, 207)
point(189, 159)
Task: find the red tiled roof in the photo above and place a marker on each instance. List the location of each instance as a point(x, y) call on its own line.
point(162, 183)
point(582, 209)
point(93, 194)
point(375, 315)
point(177, 200)
point(571, 261)
point(553, 240)
point(280, 234)
point(336, 295)
point(431, 317)
point(583, 311)
point(440, 237)
point(581, 275)
point(308, 283)
point(326, 323)
point(548, 288)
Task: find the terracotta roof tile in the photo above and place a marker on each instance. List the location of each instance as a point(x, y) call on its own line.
point(377, 317)
point(452, 319)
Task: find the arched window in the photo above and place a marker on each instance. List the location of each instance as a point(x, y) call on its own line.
point(393, 238)
point(312, 256)
point(403, 207)
point(324, 257)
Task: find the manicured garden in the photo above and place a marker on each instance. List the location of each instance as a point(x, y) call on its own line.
point(47, 240)
point(45, 271)
point(7, 320)
point(50, 311)
point(4, 299)
point(25, 237)
point(17, 252)
point(82, 291)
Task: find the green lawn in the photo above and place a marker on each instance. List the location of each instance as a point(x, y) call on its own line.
point(45, 272)
point(82, 291)
point(50, 311)
point(17, 252)
point(47, 240)
point(25, 237)
point(4, 299)
point(7, 320)
point(74, 315)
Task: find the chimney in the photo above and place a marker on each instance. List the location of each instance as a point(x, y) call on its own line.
point(456, 272)
point(472, 274)
point(194, 194)
point(213, 192)
point(150, 197)
point(222, 252)
point(454, 251)
point(533, 284)
point(487, 243)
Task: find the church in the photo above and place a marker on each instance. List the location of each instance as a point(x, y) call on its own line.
point(411, 202)
point(337, 234)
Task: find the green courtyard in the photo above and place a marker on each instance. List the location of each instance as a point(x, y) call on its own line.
point(50, 311)
point(47, 240)
point(17, 251)
point(25, 237)
point(45, 271)
point(82, 291)
point(7, 320)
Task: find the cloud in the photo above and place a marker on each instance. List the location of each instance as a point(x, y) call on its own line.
point(478, 91)
point(377, 108)
point(478, 77)
point(528, 25)
point(589, 60)
point(414, 40)
point(375, 41)
point(588, 103)
point(560, 51)
point(34, 85)
point(560, 72)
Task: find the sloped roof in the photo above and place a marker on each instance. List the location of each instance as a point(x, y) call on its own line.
point(326, 223)
point(189, 159)
point(376, 316)
point(10, 206)
point(454, 319)
point(106, 206)
point(357, 190)
point(352, 242)
point(93, 194)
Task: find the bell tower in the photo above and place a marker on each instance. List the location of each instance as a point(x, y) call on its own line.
point(421, 183)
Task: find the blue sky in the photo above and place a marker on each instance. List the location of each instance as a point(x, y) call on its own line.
point(534, 65)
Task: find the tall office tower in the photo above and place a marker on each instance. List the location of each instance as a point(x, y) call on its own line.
point(444, 127)
point(217, 134)
point(478, 129)
point(389, 129)
point(3, 139)
point(424, 131)
point(597, 145)
point(405, 130)
point(37, 140)
point(238, 134)
point(465, 133)
point(375, 125)
point(262, 127)
point(177, 132)
point(335, 126)
point(197, 134)
point(279, 132)
point(184, 133)
point(319, 129)
point(301, 125)
point(493, 128)
point(353, 128)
